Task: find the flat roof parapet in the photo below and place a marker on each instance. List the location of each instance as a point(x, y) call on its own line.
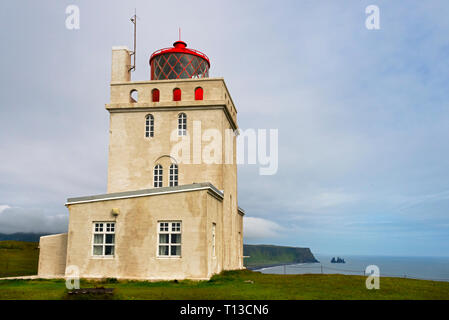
point(146, 192)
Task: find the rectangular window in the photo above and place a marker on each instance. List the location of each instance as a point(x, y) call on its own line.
point(103, 239)
point(158, 176)
point(213, 239)
point(182, 124)
point(173, 176)
point(149, 126)
point(169, 239)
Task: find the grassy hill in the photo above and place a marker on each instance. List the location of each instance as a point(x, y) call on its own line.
point(18, 258)
point(21, 236)
point(269, 255)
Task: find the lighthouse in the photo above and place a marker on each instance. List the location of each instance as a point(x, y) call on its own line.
point(166, 215)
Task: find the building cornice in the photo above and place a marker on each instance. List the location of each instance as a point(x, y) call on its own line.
point(148, 192)
point(170, 106)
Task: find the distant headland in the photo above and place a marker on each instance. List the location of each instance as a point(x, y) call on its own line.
point(263, 256)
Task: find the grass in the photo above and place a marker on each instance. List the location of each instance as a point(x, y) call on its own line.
point(18, 258)
point(230, 285)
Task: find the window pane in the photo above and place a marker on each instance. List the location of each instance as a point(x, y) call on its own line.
point(98, 250)
point(175, 250)
point(109, 250)
point(163, 250)
point(98, 239)
point(163, 238)
point(176, 226)
point(110, 238)
point(176, 238)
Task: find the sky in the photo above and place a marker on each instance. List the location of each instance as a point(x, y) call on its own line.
point(362, 115)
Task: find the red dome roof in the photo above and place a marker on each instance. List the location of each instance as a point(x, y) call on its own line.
point(179, 62)
point(180, 47)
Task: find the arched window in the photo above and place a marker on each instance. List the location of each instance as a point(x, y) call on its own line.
point(158, 176)
point(155, 95)
point(173, 177)
point(134, 96)
point(199, 93)
point(149, 126)
point(177, 94)
point(182, 124)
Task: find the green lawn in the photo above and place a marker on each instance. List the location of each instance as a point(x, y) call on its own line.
point(18, 258)
point(238, 285)
point(21, 258)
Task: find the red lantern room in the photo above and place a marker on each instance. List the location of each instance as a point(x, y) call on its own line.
point(179, 62)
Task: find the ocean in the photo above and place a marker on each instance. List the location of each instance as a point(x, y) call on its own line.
point(426, 268)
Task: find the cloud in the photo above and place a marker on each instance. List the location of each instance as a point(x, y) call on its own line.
point(326, 199)
point(15, 219)
point(3, 208)
point(362, 115)
point(260, 229)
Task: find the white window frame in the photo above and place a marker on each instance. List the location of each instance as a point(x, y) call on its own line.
point(173, 175)
point(182, 124)
point(149, 126)
point(168, 227)
point(158, 174)
point(103, 228)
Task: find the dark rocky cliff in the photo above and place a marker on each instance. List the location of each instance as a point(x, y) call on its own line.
point(270, 255)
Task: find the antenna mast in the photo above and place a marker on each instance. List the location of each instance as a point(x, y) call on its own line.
point(134, 21)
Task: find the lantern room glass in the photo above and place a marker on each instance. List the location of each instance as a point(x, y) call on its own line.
point(178, 66)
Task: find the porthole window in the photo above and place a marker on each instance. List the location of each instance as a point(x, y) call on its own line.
point(134, 96)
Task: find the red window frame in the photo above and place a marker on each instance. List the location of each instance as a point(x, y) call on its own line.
point(155, 95)
point(199, 93)
point(176, 94)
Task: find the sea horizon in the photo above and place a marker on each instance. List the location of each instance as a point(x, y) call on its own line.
point(341, 255)
point(389, 266)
